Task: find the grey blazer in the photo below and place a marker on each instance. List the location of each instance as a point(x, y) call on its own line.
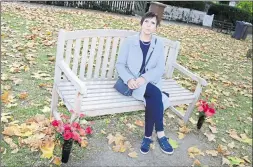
point(129, 62)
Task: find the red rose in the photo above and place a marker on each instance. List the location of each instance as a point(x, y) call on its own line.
point(82, 115)
point(88, 130)
point(67, 127)
point(205, 107)
point(200, 109)
point(67, 135)
point(76, 136)
point(82, 132)
point(55, 123)
point(76, 125)
point(210, 112)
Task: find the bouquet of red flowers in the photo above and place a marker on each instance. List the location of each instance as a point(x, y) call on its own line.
point(206, 110)
point(69, 132)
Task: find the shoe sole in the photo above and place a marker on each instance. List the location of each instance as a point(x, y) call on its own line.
point(167, 152)
point(144, 152)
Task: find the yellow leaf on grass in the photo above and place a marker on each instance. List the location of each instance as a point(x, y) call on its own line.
point(118, 138)
point(193, 121)
point(9, 141)
point(245, 139)
point(225, 161)
point(209, 120)
point(103, 132)
point(233, 134)
point(133, 155)
point(173, 143)
point(5, 96)
point(23, 95)
point(47, 150)
point(223, 150)
point(152, 146)
point(110, 138)
point(210, 137)
point(46, 109)
point(213, 129)
point(5, 117)
point(139, 123)
point(184, 129)
point(194, 151)
point(57, 161)
point(15, 151)
point(180, 135)
point(246, 158)
point(119, 147)
point(214, 153)
point(170, 115)
point(231, 145)
point(196, 163)
point(84, 143)
point(11, 131)
point(235, 160)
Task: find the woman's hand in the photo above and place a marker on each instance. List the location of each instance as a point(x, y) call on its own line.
point(140, 81)
point(132, 84)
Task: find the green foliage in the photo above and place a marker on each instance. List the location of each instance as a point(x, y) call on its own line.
point(245, 5)
point(229, 13)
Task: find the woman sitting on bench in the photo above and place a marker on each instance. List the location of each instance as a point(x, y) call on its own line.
point(133, 55)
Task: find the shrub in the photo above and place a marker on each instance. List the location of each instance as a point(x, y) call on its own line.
point(229, 13)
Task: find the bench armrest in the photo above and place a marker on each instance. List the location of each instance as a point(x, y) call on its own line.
point(80, 85)
point(190, 74)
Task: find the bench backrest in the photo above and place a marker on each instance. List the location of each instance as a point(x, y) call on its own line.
point(92, 54)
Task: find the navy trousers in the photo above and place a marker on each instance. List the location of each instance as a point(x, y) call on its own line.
point(154, 109)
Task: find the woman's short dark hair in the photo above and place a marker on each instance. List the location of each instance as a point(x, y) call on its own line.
point(150, 15)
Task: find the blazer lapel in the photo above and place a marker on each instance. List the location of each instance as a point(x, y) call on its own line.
point(151, 47)
point(138, 49)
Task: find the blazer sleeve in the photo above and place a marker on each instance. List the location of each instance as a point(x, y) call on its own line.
point(121, 63)
point(157, 72)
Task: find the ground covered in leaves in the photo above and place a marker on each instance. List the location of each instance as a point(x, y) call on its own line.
point(29, 36)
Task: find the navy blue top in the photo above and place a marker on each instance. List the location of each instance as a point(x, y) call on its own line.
point(144, 49)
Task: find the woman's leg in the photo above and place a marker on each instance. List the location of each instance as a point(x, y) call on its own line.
point(154, 109)
point(154, 116)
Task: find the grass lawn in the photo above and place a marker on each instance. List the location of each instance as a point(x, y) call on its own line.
point(29, 36)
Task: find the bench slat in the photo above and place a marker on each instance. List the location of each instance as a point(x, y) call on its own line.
point(106, 55)
point(68, 94)
point(126, 104)
point(112, 57)
point(99, 57)
point(115, 99)
point(91, 57)
point(76, 56)
point(84, 58)
point(68, 51)
point(108, 82)
point(115, 75)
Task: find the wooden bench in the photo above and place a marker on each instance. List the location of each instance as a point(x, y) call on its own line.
point(222, 25)
point(85, 75)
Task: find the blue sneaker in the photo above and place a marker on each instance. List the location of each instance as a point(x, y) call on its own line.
point(145, 145)
point(165, 145)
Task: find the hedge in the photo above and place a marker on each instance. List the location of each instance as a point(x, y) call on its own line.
point(229, 13)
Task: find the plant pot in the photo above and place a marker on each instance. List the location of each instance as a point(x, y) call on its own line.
point(201, 121)
point(66, 149)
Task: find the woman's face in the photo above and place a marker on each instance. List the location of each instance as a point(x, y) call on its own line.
point(149, 26)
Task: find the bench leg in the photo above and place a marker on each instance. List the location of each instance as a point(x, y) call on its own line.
point(77, 106)
point(54, 103)
point(192, 105)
